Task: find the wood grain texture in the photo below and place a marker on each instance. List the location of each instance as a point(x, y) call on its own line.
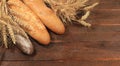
point(79, 46)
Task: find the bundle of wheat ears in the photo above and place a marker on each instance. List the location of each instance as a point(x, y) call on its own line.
point(72, 10)
point(67, 10)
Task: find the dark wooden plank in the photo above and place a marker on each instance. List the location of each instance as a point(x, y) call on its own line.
point(69, 51)
point(60, 63)
point(108, 5)
point(95, 28)
point(104, 17)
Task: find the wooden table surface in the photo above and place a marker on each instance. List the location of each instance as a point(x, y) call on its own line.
point(79, 46)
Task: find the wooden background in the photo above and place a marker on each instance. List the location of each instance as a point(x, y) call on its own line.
point(79, 46)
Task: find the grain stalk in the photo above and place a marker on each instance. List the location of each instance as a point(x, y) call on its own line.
point(72, 10)
point(9, 25)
